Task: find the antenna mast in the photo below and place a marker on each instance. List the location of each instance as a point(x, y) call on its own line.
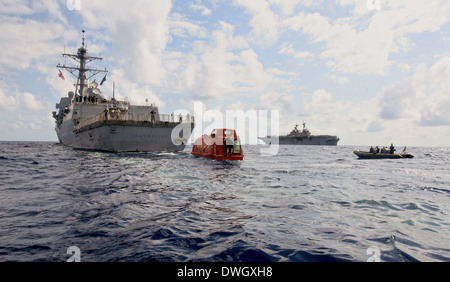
point(114, 91)
point(84, 73)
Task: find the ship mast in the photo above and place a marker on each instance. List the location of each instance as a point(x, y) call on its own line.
point(84, 73)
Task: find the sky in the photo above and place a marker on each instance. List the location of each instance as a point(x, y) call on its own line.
point(369, 71)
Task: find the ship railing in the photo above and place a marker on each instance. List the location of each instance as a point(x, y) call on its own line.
point(134, 117)
point(128, 116)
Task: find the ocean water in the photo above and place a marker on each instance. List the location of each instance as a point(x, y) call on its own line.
point(307, 203)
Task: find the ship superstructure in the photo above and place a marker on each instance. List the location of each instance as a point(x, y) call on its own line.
point(85, 119)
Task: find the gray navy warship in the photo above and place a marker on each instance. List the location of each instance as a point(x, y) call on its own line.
point(304, 137)
point(85, 119)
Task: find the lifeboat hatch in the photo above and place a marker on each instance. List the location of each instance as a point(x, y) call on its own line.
point(237, 147)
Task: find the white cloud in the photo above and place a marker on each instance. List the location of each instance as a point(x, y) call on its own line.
point(203, 9)
point(12, 103)
point(347, 50)
point(140, 32)
point(31, 31)
point(211, 72)
point(23, 116)
point(287, 6)
point(264, 21)
point(278, 101)
point(403, 67)
point(422, 98)
point(132, 91)
point(350, 120)
point(375, 126)
point(300, 55)
point(224, 68)
point(279, 72)
point(27, 7)
point(339, 79)
point(30, 102)
point(181, 26)
point(323, 106)
point(7, 103)
point(359, 45)
point(15, 7)
point(252, 73)
point(25, 40)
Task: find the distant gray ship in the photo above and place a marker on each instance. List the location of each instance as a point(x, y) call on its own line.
point(87, 120)
point(303, 137)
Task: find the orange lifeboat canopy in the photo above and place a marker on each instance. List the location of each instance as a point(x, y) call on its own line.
point(221, 144)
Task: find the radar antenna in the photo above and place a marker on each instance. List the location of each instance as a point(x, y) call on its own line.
point(81, 72)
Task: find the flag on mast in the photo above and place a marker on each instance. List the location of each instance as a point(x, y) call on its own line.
point(103, 80)
point(61, 75)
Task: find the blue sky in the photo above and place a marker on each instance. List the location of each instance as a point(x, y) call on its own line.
point(371, 72)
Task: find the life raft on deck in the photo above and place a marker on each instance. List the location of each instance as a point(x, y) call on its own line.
point(221, 144)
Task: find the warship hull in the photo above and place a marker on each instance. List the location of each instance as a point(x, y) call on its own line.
point(123, 137)
point(132, 131)
point(312, 140)
point(304, 137)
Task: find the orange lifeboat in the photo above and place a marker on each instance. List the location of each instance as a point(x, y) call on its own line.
point(222, 144)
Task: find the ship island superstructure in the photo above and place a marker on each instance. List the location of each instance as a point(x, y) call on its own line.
point(85, 119)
